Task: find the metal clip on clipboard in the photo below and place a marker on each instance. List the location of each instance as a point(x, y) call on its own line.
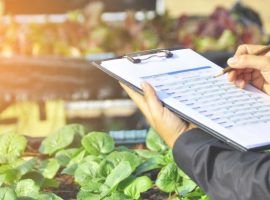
point(166, 54)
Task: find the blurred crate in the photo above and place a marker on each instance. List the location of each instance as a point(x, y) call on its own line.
point(62, 6)
point(129, 136)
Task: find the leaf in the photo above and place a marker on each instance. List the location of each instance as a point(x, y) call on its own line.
point(156, 162)
point(187, 186)
point(73, 164)
point(117, 196)
point(169, 156)
point(50, 183)
point(10, 176)
point(26, 166)
point(2, 179)
point(49, 196)
point(92, 186)
point(49, 168)
point(118, 174)
point(11, 173)
point(83, 195)
point(7, 194)
point(154, 142)
point(196, 194)
point(87, 171)
point(64, 156)
point(146, 153)
point(168, 178)
point(117, 157)
point(35, 176)
point(137, 186)
point(27, 188)
point(61, 138)
point(96, 143)
point(105, 168)
point(11, 147)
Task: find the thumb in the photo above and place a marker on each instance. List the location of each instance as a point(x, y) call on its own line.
point(152, 100)
point(261, 63)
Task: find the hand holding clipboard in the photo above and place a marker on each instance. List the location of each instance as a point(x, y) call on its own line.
point(185, 85)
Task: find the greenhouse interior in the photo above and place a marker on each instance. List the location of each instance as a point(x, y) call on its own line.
point(69, 130)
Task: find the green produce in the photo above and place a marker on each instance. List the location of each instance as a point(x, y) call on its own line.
point(97, 167)
point(84, 32)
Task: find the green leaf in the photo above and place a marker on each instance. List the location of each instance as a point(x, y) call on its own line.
point(11, 173)
point(168, 178)
point(118, 174)
point(84, 195)
point(11, 147)
point(35, 176)
point(49, 168)
point(92, 186)
point(27, 188)
point(169, 156)
point(117, 196)
point(10, 176)
point(7, 194)
point(154, 142)
point(105, 168)
point(196, 194)
point(26, 166)
point(187, 186)
point(2, 180)
point(137, 186)
point(87, 171)
point(50, 183)
point(49, 196)
point(73, 164)
point(61, 138)
point(156, 162)
point(117, 157)
point(96, 143)
point(5, 167)
point(146, 153)
point(64, 156)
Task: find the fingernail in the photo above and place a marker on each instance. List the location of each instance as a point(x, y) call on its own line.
point(238, 83)
point(233, 61)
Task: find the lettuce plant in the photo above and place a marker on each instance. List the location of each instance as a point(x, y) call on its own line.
point(100, 169)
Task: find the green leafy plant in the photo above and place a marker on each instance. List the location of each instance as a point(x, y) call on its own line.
point(100, 169)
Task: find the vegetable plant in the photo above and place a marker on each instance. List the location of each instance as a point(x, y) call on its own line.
point(97, 166)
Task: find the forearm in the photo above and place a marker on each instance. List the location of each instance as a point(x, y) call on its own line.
point(221, 171)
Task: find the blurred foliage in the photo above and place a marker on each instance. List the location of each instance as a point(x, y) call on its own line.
point(83, 32)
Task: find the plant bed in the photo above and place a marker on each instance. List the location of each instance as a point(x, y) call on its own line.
point(74, 164)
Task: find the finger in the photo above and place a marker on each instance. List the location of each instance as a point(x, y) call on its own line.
point(139, 101)
point(239, 80)
point(261, 63)
point(243, 84)
point(247, 77)
point(152, 101)
point(239, 83)
point(232, 75)
point(248, 49)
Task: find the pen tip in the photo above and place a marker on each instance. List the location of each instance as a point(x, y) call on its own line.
point(218, 75)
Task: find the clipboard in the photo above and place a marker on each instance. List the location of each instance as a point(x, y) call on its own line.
point(168, 54)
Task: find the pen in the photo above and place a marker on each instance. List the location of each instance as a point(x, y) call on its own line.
point(258, 53)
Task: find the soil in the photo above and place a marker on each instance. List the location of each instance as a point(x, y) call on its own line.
point(67, 189)
point(154, 194)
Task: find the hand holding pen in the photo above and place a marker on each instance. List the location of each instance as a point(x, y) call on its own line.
point(250, 64)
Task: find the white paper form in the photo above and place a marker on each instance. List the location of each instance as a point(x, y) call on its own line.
point(186, 83)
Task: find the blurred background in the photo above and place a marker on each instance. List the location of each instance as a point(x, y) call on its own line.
point(46, 49)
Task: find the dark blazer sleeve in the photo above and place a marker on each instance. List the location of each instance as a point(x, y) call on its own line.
point(221, 171)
